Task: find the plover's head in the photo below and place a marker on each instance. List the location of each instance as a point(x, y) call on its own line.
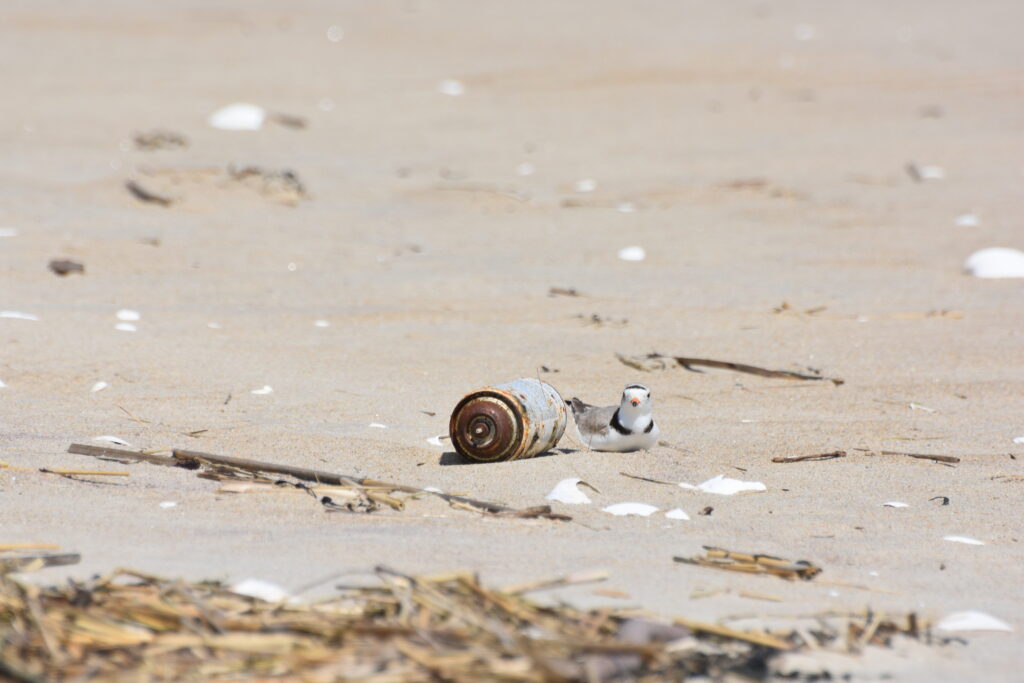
point(636, 397)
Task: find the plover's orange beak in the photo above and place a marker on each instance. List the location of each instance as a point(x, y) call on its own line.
point(635, 402)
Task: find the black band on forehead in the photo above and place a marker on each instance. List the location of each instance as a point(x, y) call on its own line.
point(636, 386)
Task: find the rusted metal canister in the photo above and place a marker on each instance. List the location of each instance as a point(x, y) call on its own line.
point(510, 421)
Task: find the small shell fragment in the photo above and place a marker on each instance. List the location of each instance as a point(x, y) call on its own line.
point(451, 87)
point(2, 385)
point(126, 327)
point(525, 169)
point(321, 323)
point(967, 220)
point(1018, 439)
point(262, 392)
point(639, 509)
point(972, 620)
point(8, 232)
point(129, 315)
point(168, 504)
point(963, 539)
point(260, 589)
point(585, 185)
point(725, 486)
point(377, 425)
point(677, 513)
point(16, 315)
point(895, 504)
point(632, 253)
point(565, 491)
point(435, 441)
point(99, 386)
point(995, 262)
point(239, 116)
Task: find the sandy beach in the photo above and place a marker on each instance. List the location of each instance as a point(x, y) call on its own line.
point(806, 181)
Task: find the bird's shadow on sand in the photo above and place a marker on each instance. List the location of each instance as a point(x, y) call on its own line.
point(453, 458)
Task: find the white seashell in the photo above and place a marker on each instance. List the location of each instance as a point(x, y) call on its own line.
point(632, 254)
point(112, 439)
point(129, 315)
point(724, 486)
point(126, 327)
point(435, 441)
point(264, 391)
point(1018, 439)
point(972, 621)
point(168, 504)
point(15, 315)
point(432, 489)
point(677, 513)
point(451, 87)
point(8, 232)
point(238, 116)
point(895, 504)
point(321, 323)
point(995, 262)
point(2, 385)
point(963, 539)
point(585, 185)
point(335, 34)
point(565, 491)
point(967, 220)
point(99, 386)
point(621, 509)
point(377, 425)
point(260, 589)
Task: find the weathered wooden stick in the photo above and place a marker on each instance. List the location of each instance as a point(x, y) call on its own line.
point(925, 456)
point(121, 454)
point(726, 632)
point(329, 477)
point(91, 473)
point(815, 456)
point(9, 564)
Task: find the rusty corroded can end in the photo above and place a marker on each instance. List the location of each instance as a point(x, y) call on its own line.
point(508, 421)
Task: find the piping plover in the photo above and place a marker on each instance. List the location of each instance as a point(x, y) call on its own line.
point(628, 426)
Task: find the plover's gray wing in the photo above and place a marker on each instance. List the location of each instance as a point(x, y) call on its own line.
point(592, 420)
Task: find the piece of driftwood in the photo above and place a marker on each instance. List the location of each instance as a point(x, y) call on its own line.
point(25, 561)
point(748, 563)
point(124, 456)
point(946, 459)
point(657, 361)
point(813, 457)
point(373, 493)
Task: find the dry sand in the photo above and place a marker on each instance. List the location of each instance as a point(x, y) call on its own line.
point(762, 167)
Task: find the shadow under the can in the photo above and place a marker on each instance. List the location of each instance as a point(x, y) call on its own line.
point(453, 458)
